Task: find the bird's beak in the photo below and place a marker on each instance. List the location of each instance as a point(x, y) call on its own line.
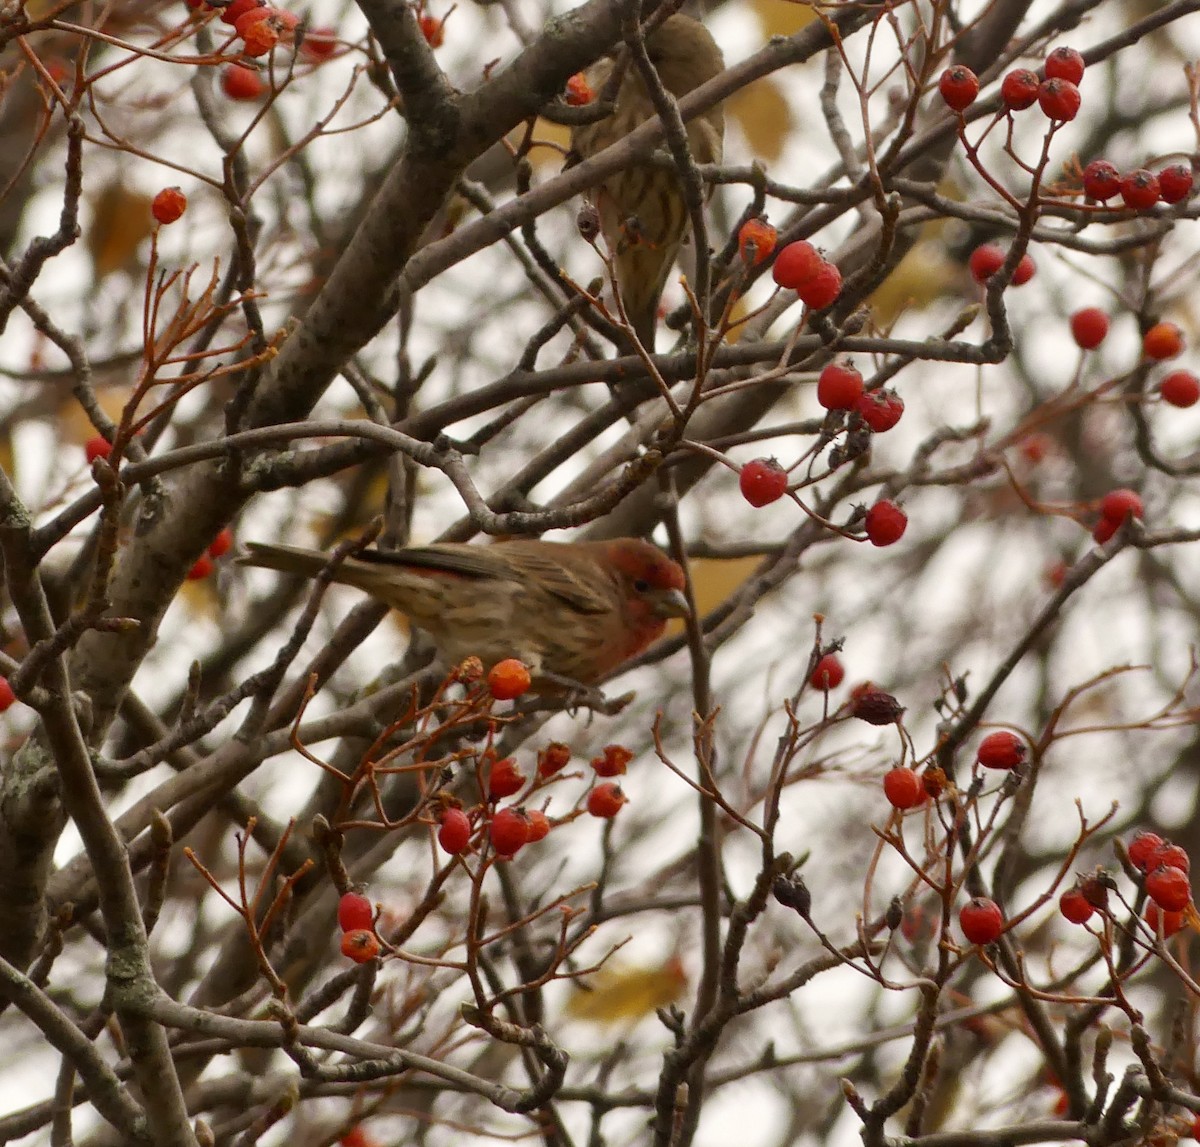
point(669, 603)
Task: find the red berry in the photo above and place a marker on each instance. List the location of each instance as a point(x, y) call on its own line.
point(1180, 388)
point(1117, 505)
point(360, 945)
point(880, 409)
point(221, 544)
point(509, 831)
point(1104, 529)
point(234, 11)
point(578, 92)
point(985, 261)
point(1101, 180)
point(1059, 99)
point(1175, 182)
point(605, 801)
point(539, 825)
point(1001, 750)
point(203, 567)
point(1140, 190)
point(903, 788)
point(508, 679)
point(355, 911)
point(839, 386)
point(242, 83)
point(981, 921)
point(553, 759)
point(1019, 90)
point(433, 29)
point(1169, 888)
point(7, 696)
point(756, 241)
point(1163, 341)
point(1173, 856)
point(454, 832)
point(319, 43)
point(797, 263)
point(613, 762)
point(885, 523)
point(258, 32)
point(959, 87)
point(822, 289)
point(505, 779)
point(168, 205)
point(1172, 922)
point(1025, 269)
point(97, 447)
point(1089, 327)
point(1074, 906)
point(762, 481)
point(1064, 64)
point(828, 673)
point(871, 704)
point(1142, 849)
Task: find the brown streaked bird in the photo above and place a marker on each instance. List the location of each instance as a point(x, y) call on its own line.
point(572, 611)
point(643, 215)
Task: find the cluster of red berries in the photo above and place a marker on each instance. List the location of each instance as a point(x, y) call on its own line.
point(356, 918)
point(1139, 189)
point(840, 386)
point(217, 548)
point(800, 267)
point(988, 258)
point(1115, 508)
point(1163, 340)
point(1057, 94)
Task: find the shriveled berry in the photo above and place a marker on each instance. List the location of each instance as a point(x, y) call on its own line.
point(1142, 849)
point(1180, 388)
point(1101, 180)
point(168, 205)
point(1059, 100)
point(793, 893)
point(871, 704)
point(981, 920)
point(508, 679)
point(839, 386)
point(258, 32)
point(935, 781)
point(1095, 888)
point(553, 759)
point(1163, 341)
point(612, 762)
point(97, 447)
point(903, 788)
point(1019, 89)
point(1089, 327)
point(1169, 888)
point(1140, 189)
point(1175, 182)
point(454, 832)
point(756, 241)
point(1001, 750)
point(880, 409)
point(762, 481)
point(509, 831)
point(360, 945)
point(959, 87)
point(1074, 906)
point(822, 289)
point(797, 263)
point(505, 778)
point(885, 523)
point(1064, 64)
point(606, 800)
point(539, 825)
point(828, 673)
point(355, 911)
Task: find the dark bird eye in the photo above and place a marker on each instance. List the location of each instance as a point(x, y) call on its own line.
point(642, 585)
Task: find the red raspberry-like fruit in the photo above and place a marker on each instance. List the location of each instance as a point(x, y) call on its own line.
point(871, 704)
point(756, 241)
point(985, 261)
point(1173, 856)
point(613, 762)
point(1117, 505)
point(508, 679)
point(981, 921)
point(606, 800)
point(1019, 89)
point(202, 569)
point(504, 779)
point(539, 825)
point(1172, 922)
point(1064, 64)
point(355, 911)
point(509, 831)
point(885, 523)
point(221, 544)
point(828, 673)
point(1089, 327)
point(1074, 906)
point(579, 92)
point(762, 481)
point(1175, 182)
point(959, 87)
point(454, 831)
point(242, 83)
point(233, 12)
point(797, 263)
point(97, 447)
point(1101, 180)
point(319, 44)
point(1180, 388)
point(7, 696)
point(360, 945)
point(903, 788)
point(1001, 750)
point(880, 409)
point(1143, 848)
point(1163, 341)
point(1140, 189)
point(1059, 100)
point(822, 289)
point(1169, 888)
point(168, 205)
point(839, 386)
point(553, 759)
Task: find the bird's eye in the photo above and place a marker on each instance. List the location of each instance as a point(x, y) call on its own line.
point(642, 585)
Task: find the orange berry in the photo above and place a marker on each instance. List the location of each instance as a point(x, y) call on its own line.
point(606, 800)
point(360, 945)
point(168, 205)
point(553, 759)
point(756, 241)
point(508, 679)
point(1163, 340)
point(241, 83)
point(539, 825)
point(579, 92)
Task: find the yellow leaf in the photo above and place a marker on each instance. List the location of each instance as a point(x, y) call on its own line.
point(551, 142)
point(764, 115)
point(715, 579)
point(923, 275)
point(121, 220)
point(622, 992)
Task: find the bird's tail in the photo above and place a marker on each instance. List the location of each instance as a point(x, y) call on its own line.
point(373, 579)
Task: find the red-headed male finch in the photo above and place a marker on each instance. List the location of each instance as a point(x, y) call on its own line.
point(643, 214)
point(572, 611)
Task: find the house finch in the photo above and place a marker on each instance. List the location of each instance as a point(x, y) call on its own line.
point(643, 214)
point(571, 611)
